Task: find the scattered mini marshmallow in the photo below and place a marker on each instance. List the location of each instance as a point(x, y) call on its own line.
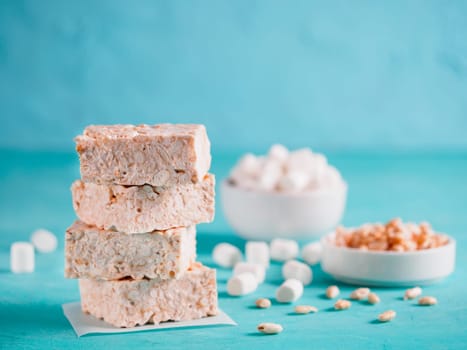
point(22, 257)
point(289, 291)
point(312, 252)
point(242, 284)
point(257, 252)
point(297, 270)
point(256, 269)
point(283, 249)
point(44, 241)
point(226, 255)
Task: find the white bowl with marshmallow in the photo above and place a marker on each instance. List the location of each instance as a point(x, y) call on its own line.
point(285, 194)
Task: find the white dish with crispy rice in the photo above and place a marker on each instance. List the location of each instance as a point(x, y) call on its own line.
point(395, 254)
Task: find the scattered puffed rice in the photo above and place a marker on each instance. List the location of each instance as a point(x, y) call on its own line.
point(342, 304)
point(332, 292)
point(387, 316)
point(373, 298)
point(269, 328)
point(360, 293)
point(427, 301)
point(263, 303)
point(305, 309)
point(412, 293)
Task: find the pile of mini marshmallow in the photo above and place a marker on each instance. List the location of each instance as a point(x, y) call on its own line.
point(22, 253)
point(248, 274)
point(284, 171)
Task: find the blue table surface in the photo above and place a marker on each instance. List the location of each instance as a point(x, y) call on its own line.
point(34, 192)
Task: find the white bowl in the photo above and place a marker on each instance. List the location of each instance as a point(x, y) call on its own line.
point(259, 215)
point(387, 269)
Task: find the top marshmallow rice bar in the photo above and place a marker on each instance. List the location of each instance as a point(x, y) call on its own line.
point(158, 155)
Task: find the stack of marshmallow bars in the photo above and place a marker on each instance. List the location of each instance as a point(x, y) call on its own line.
point(142, 191)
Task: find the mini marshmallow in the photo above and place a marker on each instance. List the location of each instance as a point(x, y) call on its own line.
point(44, 241)
point(331, 178)
point(256, 269)
point(244, 181)
point(246, 171)
point(293, 181)
point(244, 283)
point(289, 291)
point(283, 249)
point(284, 171)
point(297, 270)
point(320, 164)
point(311, 253)
point(270, 175)
point(300, 160)
point(22, 257)
point(249, 164)
point(278, 152)
point(226, 255)
point(257, 253)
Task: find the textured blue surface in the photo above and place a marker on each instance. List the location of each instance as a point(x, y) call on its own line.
point(34, 192)
point(343, 74)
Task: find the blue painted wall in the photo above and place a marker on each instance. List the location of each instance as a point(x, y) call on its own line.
point(329, 74)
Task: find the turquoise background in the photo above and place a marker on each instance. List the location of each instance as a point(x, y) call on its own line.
point(332, 74)
point(380, 86)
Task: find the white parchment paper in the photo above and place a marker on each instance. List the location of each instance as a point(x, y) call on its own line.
point(87, 324)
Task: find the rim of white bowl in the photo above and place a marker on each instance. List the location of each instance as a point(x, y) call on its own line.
point(310, 193)
point(326, 240)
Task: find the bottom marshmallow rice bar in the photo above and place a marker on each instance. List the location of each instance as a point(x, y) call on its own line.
point(91, 252)
point(128, 303)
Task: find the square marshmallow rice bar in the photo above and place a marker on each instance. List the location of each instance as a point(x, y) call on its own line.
point(128, 303)
point(158, 155)
point(136, 209)
point(91, 252)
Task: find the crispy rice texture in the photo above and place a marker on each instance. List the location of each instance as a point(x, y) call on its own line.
point(129, 303)
point(158, 155)
point(136, 209)
point(91, 252)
